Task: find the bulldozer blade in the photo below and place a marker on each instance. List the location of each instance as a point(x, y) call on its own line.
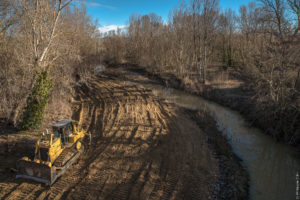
point(35, 171)
point(43, 173)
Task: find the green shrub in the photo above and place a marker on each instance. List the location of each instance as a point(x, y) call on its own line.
point(37, 102)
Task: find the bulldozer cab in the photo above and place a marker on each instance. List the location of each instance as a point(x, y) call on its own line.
point(63, 129)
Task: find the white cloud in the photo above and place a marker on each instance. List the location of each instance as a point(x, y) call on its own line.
point(94, 4)
point(106, 29)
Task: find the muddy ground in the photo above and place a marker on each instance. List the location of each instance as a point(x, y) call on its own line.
point(142, 148)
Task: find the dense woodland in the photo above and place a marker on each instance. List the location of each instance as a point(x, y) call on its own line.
point(45, 44)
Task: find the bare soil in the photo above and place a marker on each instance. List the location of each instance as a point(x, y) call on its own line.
point(142, 148)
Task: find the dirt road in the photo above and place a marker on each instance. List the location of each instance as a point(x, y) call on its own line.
point(142, 148)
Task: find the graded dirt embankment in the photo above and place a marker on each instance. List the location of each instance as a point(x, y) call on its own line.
point(142, 148)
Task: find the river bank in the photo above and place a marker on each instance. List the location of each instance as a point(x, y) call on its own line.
point(233, 181)
point(233, 91)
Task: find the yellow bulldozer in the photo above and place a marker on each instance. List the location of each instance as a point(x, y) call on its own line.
point(54, 153)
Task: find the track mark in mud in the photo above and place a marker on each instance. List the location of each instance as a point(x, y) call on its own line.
point(6, 189)
point(24, 191)
point(92, 113)
point(132, 134)
point(115, 116)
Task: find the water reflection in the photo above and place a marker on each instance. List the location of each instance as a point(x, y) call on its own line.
point(272, 166)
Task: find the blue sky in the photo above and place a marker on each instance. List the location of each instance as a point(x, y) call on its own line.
point(117, 12)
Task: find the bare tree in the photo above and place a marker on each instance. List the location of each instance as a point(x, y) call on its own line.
point(295, 8)
point(204, 15)
point(5, 12)
point(40, 19)
point(227, 28)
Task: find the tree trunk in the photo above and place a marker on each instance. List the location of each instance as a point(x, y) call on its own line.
point(297, 82)
point(204, 66)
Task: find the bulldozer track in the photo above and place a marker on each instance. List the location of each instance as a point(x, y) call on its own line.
point(142, 148)
point(63, 159)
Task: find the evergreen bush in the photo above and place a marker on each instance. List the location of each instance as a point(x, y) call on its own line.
point(37, 102)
